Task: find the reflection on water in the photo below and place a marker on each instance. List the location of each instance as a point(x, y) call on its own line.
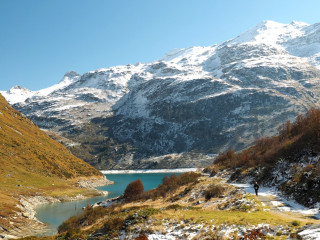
point(55, 213)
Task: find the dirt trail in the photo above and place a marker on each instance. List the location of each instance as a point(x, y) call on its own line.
point(275, 204)
point(267, 200)
point(271, 201)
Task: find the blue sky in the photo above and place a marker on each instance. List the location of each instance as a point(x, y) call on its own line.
point(41, 40)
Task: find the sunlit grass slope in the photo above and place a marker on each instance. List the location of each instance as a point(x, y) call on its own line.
point(33, 163)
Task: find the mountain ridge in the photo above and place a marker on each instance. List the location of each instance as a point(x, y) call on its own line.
point(206, 99)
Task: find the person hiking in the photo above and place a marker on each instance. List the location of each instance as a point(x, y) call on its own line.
point(256, 187)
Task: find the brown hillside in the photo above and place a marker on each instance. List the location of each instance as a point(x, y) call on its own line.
point(31, 163)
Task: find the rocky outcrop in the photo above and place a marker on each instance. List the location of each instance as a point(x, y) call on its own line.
point(93, 182)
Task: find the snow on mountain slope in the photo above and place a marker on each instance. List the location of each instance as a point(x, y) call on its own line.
point(17, 94)
point(297, 38)
point(205, 98)
point(271, 33)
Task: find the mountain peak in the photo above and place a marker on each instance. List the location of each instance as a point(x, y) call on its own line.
point(19, 88)
point(299, 24)
point(271, 33)
point(17, 94)
point(268, 23)
point(69, 76)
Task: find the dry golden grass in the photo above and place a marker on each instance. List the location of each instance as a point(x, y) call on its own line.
point(32, 163)
point(154, 213)
point(218, 217)
point(212, 215)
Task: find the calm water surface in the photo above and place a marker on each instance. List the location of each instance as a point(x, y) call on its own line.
point(55, 213)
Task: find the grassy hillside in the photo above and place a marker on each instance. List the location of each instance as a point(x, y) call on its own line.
point(289, 161)
point(31, 163)
point(188, 206)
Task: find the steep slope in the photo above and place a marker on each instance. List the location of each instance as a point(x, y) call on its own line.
point(33, 164)
point(289, 161)
point(205, 99)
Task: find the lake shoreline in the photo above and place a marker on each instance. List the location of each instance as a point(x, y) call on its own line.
point(30, 225)
point(172, 170)
point(53, 213)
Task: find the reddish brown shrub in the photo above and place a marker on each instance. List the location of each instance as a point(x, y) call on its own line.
point(293, 138)
point(170, 184)
point(133, 190)
point(142, 236)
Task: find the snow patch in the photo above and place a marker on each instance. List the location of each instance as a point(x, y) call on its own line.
point(282, 204)
point(173, 170)
point(310, 233)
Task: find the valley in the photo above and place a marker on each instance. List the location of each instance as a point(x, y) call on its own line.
point(243, 110)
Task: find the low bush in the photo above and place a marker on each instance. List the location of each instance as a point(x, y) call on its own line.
point(213, 190)
point(112, 226)
point(142, 236)
point(133, 190)
point(293, 139)
point(174, 207)
point(170, 184)
point(211, 170)
point(139, 216)
point(296, 223)
point(88, 217)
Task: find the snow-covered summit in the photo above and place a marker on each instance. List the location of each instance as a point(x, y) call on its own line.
point(68, 79)
point(213, 97)
point(70, 76)
point(288, 41)
point(297, 38)
point(17, 94)
point(270, 32)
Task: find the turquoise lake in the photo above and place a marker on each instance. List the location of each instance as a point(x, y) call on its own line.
point(55, 213)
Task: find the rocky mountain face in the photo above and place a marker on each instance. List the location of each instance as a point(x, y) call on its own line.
point(200, 99)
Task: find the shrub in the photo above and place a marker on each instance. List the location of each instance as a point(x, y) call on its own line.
point(88, 217)
point(174, 207)
point(293, 138)
point(211, 170)
point(188, 177)
point(140, 216)
point(112, 225)
point(214, 190)
point(295, 223)
point(170, 184)
point(133, 190)
point(142, 236)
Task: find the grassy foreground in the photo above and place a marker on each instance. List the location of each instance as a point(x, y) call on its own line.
point(188, 211)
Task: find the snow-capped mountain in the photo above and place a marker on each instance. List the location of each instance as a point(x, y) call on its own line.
point(199, 98)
